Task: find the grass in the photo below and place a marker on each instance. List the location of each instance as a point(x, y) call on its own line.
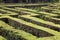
point(37, 12)
point(30, 22)
point(50, 38)
point(2, 38)
point(16, 33)
point(42, 21)
point(36, 26)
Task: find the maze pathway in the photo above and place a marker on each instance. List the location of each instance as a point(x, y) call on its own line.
point(27, 24)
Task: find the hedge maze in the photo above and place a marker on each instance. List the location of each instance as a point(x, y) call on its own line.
point(29, 24)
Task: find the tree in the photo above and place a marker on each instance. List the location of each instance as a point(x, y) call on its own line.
point(1, 1)
point(27, 1)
